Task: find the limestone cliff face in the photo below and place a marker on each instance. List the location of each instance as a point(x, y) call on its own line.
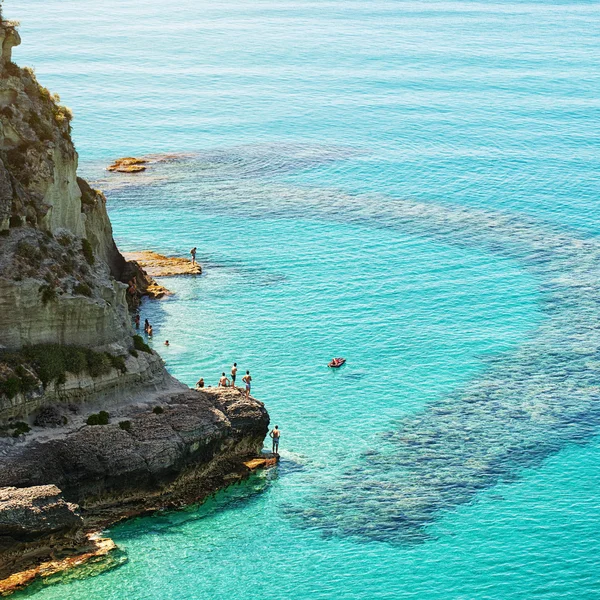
point(55, 235)
point(59, 265)
point(67, 349)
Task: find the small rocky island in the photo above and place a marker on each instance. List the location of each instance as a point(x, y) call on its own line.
point(92, 427)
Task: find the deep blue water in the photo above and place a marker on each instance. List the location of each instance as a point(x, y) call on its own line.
point(411, 185)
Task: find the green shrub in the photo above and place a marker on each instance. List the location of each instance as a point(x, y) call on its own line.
point(83, 289)
point(10, 386)
point(139, 344)
point(44, 93)
point(98, 363)
point(100, 418)
point(28, 381)
point(20, 428)
point(133, 352)
point(158, 410)
point(125, 425)
point(87, 250)
point(93, 419)
point(51, 362)
point(118, 362)
point(48, 361)
point(49, 293)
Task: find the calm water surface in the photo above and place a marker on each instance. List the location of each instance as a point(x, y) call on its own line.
point(412, 185)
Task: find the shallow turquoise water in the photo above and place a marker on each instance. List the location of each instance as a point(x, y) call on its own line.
point(411, 185)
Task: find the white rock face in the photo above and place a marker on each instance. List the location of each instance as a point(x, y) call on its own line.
point(59, 265)
point(63, 196)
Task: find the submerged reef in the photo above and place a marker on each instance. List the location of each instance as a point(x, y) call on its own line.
point(526, 405)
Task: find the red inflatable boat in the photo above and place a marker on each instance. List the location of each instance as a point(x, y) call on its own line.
point(336, 362)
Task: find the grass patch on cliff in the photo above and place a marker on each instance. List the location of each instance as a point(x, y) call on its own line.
point(49, 363)
point(83, 289)
point(48, 293)
point(88, 252)
point(140, 344)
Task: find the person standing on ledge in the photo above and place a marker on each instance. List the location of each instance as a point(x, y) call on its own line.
point(193, 253)
point(274, 435)
point(248, 381)
point(233, 374)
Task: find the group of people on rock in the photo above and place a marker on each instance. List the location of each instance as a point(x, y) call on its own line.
point(224, 381)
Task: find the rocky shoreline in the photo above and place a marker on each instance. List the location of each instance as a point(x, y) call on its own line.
point(195, 444)
point(93, 429)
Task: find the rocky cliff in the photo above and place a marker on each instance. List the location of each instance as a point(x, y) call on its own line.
point(85, 405)
point(58, 262)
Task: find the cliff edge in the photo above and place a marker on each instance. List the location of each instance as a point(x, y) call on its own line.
point(85, 404)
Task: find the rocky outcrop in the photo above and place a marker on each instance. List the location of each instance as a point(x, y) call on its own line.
point(146, 457)
point(158, 265)
point(36, 523)
point(59, 266)
point(129, 164)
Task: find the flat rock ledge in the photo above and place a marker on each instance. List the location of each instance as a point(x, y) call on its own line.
point(97, 557)
point(128, 164)
point(41, 534)
point(157, 265)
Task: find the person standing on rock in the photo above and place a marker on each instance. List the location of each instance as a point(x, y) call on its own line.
point(223, 382)
point(233, 374)
point(193, 253)
point(137, 321)
point(248, 381)
point(274, 435)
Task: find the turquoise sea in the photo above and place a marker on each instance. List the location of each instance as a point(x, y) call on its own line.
point(412, 185)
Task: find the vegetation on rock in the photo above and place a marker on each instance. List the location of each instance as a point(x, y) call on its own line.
point(139, 344)
point(88, 251)
point(35, 366)
point(20, 428)
point(100, 418)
